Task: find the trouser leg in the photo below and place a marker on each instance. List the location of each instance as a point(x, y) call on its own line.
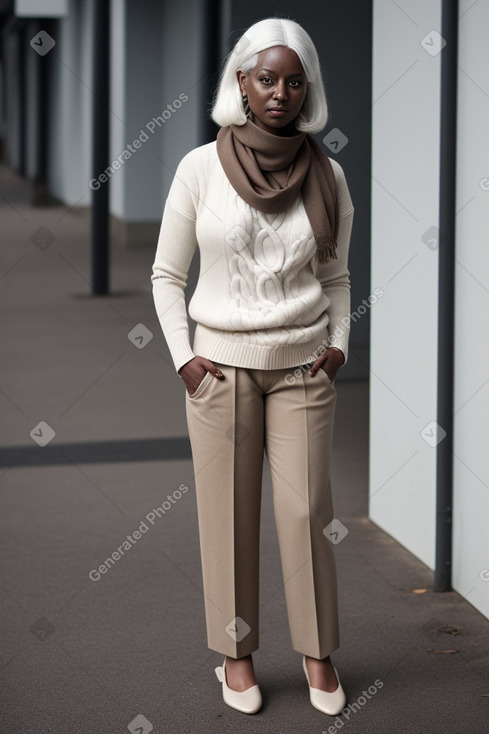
point(299, 416)
point(225, 423)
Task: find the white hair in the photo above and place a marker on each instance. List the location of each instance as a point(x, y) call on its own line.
point(228, 107)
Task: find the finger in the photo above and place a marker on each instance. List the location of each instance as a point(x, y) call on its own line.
point(213, 369)
point(314, 368)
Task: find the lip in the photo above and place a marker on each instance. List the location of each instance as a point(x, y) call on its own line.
point(277, 111)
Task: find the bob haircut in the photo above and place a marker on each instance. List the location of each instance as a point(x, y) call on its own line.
point(228, 107)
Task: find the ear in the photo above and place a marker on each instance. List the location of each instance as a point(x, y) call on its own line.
point(241, 76)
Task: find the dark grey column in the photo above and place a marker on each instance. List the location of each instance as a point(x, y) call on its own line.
point(211, 52)
point(446, 295)
point(100, 148)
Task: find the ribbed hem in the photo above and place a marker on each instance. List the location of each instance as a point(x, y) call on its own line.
point(213, 344)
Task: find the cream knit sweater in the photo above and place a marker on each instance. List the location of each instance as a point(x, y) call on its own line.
point(261, 301)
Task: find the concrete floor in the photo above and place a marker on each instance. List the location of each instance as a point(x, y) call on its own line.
point(81, 655)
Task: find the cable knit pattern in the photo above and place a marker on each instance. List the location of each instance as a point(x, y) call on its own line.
point(265, 258)
point(262, 300)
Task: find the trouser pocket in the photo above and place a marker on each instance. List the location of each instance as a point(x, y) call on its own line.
point(201, 387)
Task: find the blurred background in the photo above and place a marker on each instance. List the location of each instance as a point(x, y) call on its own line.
point(99, 102)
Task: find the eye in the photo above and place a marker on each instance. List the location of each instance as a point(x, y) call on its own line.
point(265, 79)
point(296, 83)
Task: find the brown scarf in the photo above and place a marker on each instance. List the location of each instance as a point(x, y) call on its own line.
point(247, 152)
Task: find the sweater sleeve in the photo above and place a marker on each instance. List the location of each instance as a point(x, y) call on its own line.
point(334, 275)
point(175, 249)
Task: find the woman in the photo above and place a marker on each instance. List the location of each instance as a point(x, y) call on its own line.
point(272, 216)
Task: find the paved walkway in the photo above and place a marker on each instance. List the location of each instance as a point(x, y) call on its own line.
point(89, 652)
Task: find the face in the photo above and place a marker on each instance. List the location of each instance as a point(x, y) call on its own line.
point(276, 89)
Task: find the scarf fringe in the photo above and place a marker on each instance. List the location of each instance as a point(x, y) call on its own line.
point(326, 249)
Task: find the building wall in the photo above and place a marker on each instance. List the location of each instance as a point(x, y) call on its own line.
point(403, 383)
point(155, 50)
point(70, 110)
point(471, 397)
point(403, 368)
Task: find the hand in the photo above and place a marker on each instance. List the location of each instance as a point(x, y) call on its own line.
point(330, 361)
point(194, 371)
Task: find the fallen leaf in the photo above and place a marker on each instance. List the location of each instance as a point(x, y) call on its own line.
point(448, 628)
point(419, 591)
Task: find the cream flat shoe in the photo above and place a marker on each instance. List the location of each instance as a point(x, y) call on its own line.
point(329, 703)
point(248, 701)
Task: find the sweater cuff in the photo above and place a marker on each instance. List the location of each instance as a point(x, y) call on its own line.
point(341, 342)
point(181, 351)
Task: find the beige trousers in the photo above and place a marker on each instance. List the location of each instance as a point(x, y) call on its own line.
point(231, 422)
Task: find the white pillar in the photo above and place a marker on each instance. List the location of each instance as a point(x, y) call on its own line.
point(470, 576)
point(403, 377)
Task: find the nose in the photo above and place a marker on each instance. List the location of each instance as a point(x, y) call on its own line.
point(279, 92)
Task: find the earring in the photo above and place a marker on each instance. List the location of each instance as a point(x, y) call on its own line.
point(245, 102)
